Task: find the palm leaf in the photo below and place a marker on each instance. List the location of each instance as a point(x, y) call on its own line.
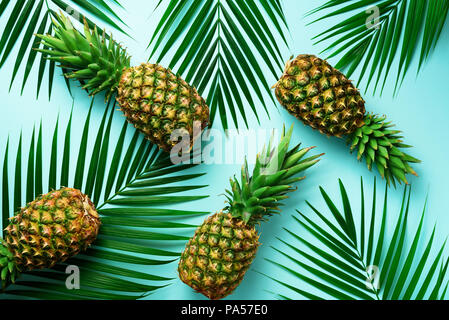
point(30, 17)
point(213, 44)
point(125, 181)
point(344, 263)
point(404, 29)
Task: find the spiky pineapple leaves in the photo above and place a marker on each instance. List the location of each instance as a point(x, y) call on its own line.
point(383, 149)
point(130, 181)
point(344, 261)
point(377, 32)
point(258, 196)
point(213, 44)
point(30, 17)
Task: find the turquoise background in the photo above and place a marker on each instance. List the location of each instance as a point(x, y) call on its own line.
point(420, 109)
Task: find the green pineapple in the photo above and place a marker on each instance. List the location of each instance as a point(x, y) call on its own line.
point(217, 257)
point(48, 230)
point(324, 99)
point(156, 101)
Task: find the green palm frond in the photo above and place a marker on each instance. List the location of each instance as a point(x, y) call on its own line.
point(30, 17)
point(403, 30)
point(130, 185)
point(346, 261)
point(211, 43)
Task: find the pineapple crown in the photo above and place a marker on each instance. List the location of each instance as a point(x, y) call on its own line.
point(275, 171)
point(380, 146)
point(8, 268)
point(96, 60)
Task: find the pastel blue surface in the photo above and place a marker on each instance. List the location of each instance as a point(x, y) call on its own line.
point(420, 110)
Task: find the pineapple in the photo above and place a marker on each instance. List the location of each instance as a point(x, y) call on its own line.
point(217, 257)
point(49, 230)
point(156, 101)
point(321, 96)
point(324, 99)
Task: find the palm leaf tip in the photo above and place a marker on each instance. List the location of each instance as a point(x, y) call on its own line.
point(343, 261)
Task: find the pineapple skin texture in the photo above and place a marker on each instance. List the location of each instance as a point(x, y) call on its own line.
point(216, 259)
point(320, 96)
point(157, 102)
point(51, 229)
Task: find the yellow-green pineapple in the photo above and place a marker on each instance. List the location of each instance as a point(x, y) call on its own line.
point(217, 257)
point(154, 99)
